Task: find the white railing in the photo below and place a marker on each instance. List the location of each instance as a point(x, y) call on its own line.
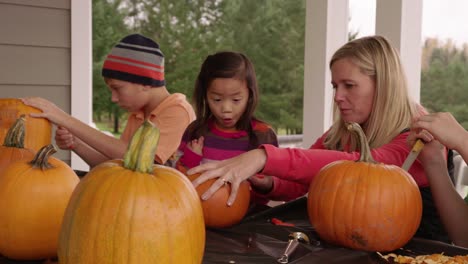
point(290, 141)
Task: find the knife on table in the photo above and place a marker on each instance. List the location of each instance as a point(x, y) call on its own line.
point(417, 147)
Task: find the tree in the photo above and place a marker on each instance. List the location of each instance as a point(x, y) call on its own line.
point(108, 29)
point(444, 80)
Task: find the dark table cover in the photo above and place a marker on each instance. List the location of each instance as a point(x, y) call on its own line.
point(257, 240)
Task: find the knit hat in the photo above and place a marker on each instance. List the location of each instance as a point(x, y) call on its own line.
point(135, 59)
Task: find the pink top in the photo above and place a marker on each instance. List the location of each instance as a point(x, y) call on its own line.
point(301, 165)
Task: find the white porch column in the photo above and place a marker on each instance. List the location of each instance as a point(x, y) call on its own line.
point(326, 31)
point(401, 22)
point(81, 68)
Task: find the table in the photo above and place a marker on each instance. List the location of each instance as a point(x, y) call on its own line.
point(256, 240)
point(268, 241)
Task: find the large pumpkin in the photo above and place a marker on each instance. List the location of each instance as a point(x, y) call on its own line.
point(363, 204)
point(133, 212)
point(33, 198)
point(38, 130)
point(13, 145)
point(216, 212)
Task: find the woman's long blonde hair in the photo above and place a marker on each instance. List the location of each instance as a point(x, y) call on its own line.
point(392, 109)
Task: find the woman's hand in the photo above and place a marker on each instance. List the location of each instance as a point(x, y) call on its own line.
point(234, 171)
point(196, 145)
point(49, 110)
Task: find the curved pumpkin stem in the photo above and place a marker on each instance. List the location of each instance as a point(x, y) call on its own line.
point(140, 153)
point(15, 135)
point(363, 145)
point(41, 160)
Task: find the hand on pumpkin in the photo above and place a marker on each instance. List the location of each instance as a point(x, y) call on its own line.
point(196, 145)
point(233, 170)
point(443, 127)
point(49, 110)
point(64, 139)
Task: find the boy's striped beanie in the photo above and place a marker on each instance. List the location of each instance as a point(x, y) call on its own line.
point(135, 59)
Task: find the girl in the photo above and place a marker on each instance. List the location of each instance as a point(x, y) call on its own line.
point(225, 99)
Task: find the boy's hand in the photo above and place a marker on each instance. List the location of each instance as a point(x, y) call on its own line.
point(64, 139)
point(196, 145)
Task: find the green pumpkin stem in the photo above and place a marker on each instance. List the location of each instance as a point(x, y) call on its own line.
point(362, 143)
point(15, 135)
point(41, 159)
point(140, 153)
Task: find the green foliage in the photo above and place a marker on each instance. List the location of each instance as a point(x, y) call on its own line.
point(270, 32)
point(444, 81)
point(108, 29)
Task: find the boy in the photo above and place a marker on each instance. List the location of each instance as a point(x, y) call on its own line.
point(134, 73)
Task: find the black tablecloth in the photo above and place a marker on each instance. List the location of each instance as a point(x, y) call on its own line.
point(258, 240)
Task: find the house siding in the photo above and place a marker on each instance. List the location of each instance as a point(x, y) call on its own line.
point(35, 52)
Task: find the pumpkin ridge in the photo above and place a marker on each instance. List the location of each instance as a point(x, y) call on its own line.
point(123, 181)
point(181, 200)
point(92, 192)
point(169, 239)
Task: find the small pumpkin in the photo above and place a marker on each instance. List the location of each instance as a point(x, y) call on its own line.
point(38, 130)
point(33, 198)
point(13, 146)
point(363, 204)
point(133, 212)
point(216, 212)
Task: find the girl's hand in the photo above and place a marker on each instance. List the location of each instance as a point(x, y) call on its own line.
point(196, 145)
point(49, 110)
point(233, 170)
point(64, 139)
point(443, 127)
point(261, 183)
point(432, 153)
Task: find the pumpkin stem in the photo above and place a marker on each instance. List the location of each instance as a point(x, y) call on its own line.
point(363, 145)
point(41, 159)
point(140, 153)
point(15, 135)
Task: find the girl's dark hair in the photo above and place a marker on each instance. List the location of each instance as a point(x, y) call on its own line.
point(225, 64)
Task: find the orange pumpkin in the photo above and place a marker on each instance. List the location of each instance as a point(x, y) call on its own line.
point(13, 146)
point(33, 198)
point(133, 212)
point(363, 204)
point(38, 130)
point(215, 210)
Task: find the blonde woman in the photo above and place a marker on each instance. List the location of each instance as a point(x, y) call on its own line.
point(370, 88)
